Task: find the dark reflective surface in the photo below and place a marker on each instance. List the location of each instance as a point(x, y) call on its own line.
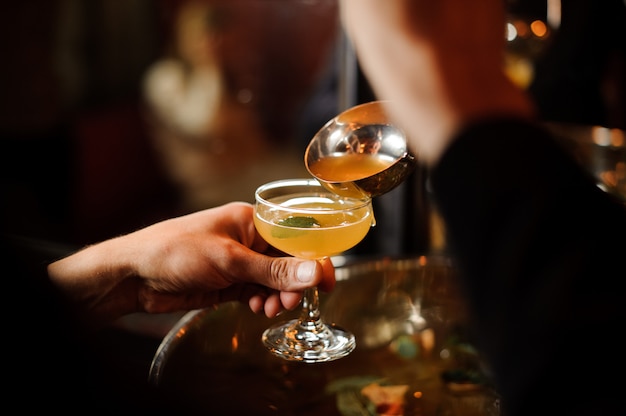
point(408, 318)
point(599, 150)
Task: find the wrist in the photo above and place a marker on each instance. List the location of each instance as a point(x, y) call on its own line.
point(99, 280)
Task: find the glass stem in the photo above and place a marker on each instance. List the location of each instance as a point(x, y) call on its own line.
point(310, 315)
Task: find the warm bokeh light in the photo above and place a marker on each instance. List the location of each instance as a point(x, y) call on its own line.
point(617, 138)
point(525, 42)
point(603, 136)
point(444, 354)
point(519, 69)
point(234, 343)
point(181, 332)
point(539, 28)
point(522, 28)
point(554, 13)
point(511, 32)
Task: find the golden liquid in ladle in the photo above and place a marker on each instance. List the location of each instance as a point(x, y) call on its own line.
point(349, 166)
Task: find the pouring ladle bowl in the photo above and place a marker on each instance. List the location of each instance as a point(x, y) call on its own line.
point(363, 130)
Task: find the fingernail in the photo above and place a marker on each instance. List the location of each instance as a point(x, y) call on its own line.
point(306, 271)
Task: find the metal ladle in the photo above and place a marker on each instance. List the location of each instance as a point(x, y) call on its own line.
point(362, 129)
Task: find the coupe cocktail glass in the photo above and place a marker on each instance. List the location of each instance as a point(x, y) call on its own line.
point(302, 218)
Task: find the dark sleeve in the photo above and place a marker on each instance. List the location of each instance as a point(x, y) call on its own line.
point(541, 251)
point(52, 359)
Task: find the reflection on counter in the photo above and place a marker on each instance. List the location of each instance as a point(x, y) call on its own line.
point(413, 356)
point(600, 150)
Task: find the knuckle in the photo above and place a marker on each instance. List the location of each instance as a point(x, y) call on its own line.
point(279, 273)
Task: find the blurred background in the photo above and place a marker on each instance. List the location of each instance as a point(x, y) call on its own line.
point(116, 114)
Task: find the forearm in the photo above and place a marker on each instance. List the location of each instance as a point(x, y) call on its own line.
point(99, 280)
point(437, 77)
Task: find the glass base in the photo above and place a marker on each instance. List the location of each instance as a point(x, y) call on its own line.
point(312, 342)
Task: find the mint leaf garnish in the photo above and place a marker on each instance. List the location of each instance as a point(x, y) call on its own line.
point(293, 223)
point(299, 222)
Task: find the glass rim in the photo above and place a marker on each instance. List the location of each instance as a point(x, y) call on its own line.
point(359, 203)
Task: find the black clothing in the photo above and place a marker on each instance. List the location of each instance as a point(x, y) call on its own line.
point(541, 250)
point(52, 361)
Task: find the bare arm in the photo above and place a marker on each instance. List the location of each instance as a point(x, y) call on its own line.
point(189, 262)
point(441, 65)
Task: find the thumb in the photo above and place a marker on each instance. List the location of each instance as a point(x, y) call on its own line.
point(316, 273)
point(288, 274)
point(292, 274)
